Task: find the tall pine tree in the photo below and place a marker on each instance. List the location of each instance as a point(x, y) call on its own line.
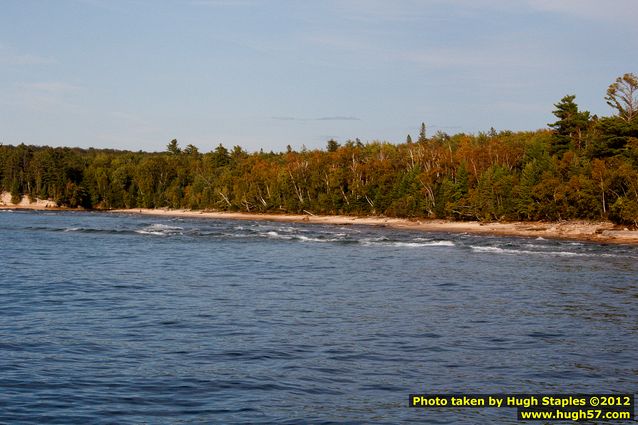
point(570, 127)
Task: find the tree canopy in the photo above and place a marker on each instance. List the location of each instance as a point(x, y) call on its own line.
point(584, 167)
point(622, 95)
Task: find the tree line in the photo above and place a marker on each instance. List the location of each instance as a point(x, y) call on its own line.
point(581, 167)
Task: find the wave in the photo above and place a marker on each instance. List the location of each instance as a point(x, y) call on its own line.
point(421, 244)
point(235, 235)
point(291, 234)
point(338, 237)
point(290, 229)
point(367, 242)
point(309, 239)
point(275, 235)
point(498, 250)
point(159, 229)
point(440, 243)
point(371, 241)
point(78, 229)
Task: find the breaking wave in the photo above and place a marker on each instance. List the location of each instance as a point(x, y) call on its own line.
point(510, 251)
point(159, 229)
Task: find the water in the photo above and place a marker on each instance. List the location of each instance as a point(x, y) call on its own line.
point(138, 319)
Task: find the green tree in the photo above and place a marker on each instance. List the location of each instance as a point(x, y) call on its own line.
point(173, 147)
point(221, 156)
point(332, 145)
point(615, 134)
point(191, 150)
point(422, 133)
point(624, 211)
point(570, 126)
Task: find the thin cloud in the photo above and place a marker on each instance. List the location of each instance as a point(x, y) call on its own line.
point(448, 127)
point(109, 5)
point(58, 87)
point(404, 10)
point(338, 118)
point(45, 96)
point(375, 11)
point(336, 41)
point(332, 118)
point(9, 57)
point(612, 11)
point(488, 51)
point(479, 56)
point(222, 3)
point(288, 119)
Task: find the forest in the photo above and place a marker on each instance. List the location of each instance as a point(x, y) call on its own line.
point(581, 167)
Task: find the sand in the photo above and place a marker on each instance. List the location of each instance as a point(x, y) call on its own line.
point(599, 231)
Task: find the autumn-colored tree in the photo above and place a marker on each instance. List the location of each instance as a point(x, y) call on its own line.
point(584, 168)
point(622, 95)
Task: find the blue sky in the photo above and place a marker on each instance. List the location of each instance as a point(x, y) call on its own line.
point(264, 74)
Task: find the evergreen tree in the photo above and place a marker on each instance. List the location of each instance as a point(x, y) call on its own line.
point(173, 147)
point(570, 127)
point(615, 135)
point(422, 134)
point(221, 156)
point(191, 150)
point(504, 175)
point(332, 145)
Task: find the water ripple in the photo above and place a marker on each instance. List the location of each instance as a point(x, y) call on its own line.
point(125, 319)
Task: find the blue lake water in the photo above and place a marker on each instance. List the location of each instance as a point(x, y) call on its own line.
point(108, 318)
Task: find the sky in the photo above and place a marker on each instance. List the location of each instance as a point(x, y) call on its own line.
point(136, 74)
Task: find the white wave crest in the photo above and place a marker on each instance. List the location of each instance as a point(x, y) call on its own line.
point(498, 250)
point(159, 229)
point(406, 244)
point(322, 240)
point(274, 235)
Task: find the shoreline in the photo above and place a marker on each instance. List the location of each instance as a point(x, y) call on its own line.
point(588, 231)
point(576, 230)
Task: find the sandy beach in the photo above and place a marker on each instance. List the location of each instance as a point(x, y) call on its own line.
point(600, 231)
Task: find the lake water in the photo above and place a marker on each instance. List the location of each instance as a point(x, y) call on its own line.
point(126, 319)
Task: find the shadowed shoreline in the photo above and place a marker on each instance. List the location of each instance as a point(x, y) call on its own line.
point(600, 232)
point(591, 231)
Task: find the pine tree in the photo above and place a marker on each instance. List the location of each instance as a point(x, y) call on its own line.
point(332, 145)
point(570, 127)
point(173, 147)
point(422, 133)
